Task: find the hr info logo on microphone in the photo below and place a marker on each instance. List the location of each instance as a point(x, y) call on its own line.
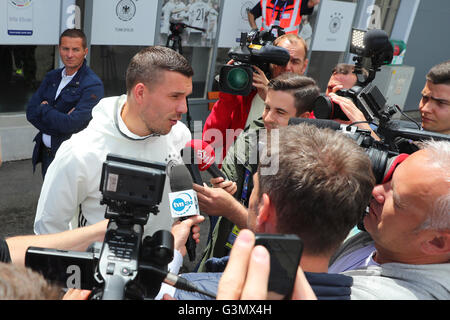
point(183, 203)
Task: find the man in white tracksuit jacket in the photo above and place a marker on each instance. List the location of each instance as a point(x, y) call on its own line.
point(142, 124)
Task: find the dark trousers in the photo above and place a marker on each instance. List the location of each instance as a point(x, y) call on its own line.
point(47, 157)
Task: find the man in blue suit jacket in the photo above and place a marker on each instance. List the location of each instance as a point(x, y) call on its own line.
point(63, 103)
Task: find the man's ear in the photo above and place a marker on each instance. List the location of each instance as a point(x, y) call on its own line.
point(265, 222)
point(305, 65)
point(138, 92)
point(437, 244)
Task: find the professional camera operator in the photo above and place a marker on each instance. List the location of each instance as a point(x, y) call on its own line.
point(434, 106)
point(237, 112)
point(343, 77)
point(406, 250)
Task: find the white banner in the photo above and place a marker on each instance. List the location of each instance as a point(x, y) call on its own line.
point(124, 22)
point(33, 22)
point(334, 26)
point(234, 21)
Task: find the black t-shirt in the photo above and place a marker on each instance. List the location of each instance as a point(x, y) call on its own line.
point(4, 251)
point(304, 9)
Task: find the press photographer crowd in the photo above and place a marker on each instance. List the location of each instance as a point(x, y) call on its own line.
point(308, 195)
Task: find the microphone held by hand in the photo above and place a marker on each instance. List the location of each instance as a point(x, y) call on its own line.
point(204, 156)
point(183, 201)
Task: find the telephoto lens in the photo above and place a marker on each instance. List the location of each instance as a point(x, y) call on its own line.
point(236, 79)
point(325, 108)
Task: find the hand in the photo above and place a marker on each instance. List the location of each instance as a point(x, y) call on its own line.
point(182, 229)
point(348, 107)
point(302, 288)
point(214, 201)
point(260, 82)
point(333, 87)
point(352, 113)
point(76, 294)
point(44, 102)
point(246, 276)
point(227, 185)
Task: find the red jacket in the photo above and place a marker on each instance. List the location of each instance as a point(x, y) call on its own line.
point(229, 112)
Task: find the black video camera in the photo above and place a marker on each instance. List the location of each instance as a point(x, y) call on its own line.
point(373, 49)
point(125, 265)
point(131, 189)
point(379, 154)
point(255, 49)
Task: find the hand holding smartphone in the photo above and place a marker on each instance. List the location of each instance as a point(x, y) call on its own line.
point(285, 253)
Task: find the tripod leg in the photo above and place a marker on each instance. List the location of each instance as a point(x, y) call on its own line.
point(180, 48)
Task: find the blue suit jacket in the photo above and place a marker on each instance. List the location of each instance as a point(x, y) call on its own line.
point(83, 92)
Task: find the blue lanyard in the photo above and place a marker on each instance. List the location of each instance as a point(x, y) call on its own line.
point(275, 7)
point(245, 186)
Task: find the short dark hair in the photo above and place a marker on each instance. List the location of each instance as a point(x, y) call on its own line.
point(146, 66)
point(323, 185)
point(440, 74)
point(74, 33)
point(303, 88)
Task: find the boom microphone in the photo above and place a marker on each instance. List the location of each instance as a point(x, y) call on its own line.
point(183, 201)
point(378, 46)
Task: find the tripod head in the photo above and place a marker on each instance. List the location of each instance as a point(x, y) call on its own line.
point(174, 39)
point(178, 27)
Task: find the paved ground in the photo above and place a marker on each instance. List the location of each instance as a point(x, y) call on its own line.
point(19, 193)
